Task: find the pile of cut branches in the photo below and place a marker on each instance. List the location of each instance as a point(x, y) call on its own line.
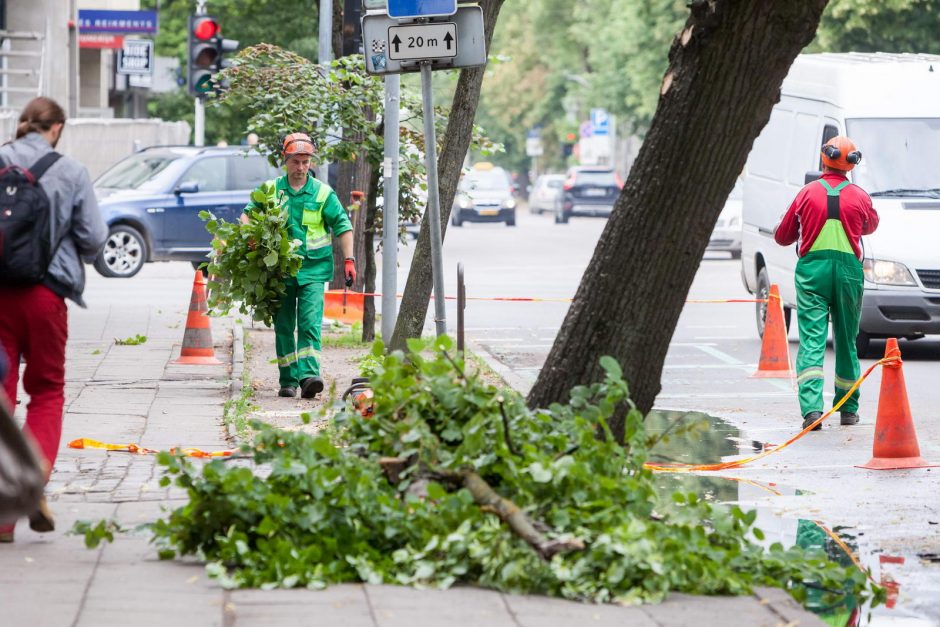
point(453, 480)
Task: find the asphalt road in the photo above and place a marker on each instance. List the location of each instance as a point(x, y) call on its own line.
point(890, 518)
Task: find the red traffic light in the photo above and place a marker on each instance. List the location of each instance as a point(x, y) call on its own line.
point(205, 28)
point(570, 137)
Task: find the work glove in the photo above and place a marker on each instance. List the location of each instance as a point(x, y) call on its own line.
point(349, 271)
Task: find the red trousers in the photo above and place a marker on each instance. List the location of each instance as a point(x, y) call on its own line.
point(34, 325)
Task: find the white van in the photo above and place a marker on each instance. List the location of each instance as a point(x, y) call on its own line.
point(889, 105)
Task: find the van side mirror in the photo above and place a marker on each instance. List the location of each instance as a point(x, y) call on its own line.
point(189, 187)
point(811, 176)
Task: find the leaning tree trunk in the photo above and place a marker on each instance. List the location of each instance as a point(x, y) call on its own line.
point(724, 76)
point(417, 294)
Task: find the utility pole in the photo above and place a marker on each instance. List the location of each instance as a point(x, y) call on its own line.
point(390, 209)
point(199, 116)
point(324, 56)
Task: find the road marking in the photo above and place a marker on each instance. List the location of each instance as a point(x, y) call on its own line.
point(727, 395)
point(709, 326)
point(781, 384)
point(694, 344)
point(709, 366)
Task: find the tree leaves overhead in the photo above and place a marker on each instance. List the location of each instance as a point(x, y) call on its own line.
point(555, 60)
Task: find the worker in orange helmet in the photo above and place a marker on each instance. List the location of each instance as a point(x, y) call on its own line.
point(829, 217)
point(314, 216)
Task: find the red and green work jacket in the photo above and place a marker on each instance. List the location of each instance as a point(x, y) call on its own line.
point(314, 216)
point(814, 219)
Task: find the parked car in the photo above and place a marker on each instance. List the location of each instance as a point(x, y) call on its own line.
point(151, 202)
point(588, 191)
point(485, 194)
point(726, 236)
point(546, 193)
point(856, 94)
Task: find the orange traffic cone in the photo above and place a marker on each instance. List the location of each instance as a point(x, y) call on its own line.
point(349, 311)
point(197, 339)
point(895, 440)
point(775, 351)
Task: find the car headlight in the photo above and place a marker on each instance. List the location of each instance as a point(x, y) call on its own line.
point(887, 272)
point(465, 203)
point(509, 204)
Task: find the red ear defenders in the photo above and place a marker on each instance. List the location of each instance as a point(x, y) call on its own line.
point(833, 152)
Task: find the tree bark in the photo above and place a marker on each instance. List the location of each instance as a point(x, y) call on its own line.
point(724, 76)
point(417, 294)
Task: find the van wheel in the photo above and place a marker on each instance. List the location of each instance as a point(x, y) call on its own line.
point(124, 253)
point(862, 344)
point(455, 219)
point(197, 265)
point(763, 292)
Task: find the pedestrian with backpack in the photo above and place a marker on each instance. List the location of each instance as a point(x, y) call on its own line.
point(49, 223)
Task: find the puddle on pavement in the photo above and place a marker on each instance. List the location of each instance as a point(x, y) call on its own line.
point(697, 438)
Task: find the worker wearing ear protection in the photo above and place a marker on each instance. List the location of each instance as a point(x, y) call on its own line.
point(828, 217)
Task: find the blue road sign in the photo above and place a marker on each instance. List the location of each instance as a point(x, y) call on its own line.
point(600, 122)
point(406, 9)
point(103, 21)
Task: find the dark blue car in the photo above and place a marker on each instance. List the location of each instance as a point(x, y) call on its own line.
point(151, 202)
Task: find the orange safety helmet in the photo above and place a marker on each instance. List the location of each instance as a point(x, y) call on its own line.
point(297, 144)
point(840, 153)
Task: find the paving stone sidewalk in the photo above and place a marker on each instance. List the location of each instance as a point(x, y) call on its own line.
point(134, 394)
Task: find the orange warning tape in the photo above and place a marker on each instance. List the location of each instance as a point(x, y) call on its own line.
point(520, 299)
point(746, 460)
point(133, 448)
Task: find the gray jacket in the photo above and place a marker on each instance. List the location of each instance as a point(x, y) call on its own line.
point(75, 208)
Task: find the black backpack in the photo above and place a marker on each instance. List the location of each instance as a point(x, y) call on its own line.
point(26, 244)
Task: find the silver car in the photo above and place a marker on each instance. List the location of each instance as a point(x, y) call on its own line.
point(546, 193)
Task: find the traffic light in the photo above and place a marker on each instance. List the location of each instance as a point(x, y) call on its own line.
point(207, 49)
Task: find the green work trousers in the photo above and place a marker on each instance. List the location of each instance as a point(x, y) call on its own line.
point(828, 283)
point(301, 311)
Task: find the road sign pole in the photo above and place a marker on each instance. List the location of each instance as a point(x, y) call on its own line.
point(390, 217)
point(199, 123)
point(434, 200)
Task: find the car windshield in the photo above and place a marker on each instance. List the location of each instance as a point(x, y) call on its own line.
point(899, 156)
point(595, 178)
point(555, 183)
point(137, 171)
point(485, 180)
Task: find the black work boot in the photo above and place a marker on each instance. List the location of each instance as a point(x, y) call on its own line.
point(812, 417)
point(287, 391)
point(848, 418)
point(310, 387)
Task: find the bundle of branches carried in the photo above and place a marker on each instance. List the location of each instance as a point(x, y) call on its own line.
point(249, 262)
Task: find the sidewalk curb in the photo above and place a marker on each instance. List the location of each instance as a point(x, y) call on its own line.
point(506, 373)
point(238, 370)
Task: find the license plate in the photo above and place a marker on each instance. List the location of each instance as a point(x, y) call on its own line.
point(595, 192)
point(489, 212)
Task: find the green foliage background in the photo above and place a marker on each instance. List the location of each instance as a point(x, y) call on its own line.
point(557, 59)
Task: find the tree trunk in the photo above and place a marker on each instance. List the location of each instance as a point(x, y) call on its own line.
point(417, 294)
point(724, 76)
point(370, 209)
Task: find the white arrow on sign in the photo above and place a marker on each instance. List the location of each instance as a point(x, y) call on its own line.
point(434, 40)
